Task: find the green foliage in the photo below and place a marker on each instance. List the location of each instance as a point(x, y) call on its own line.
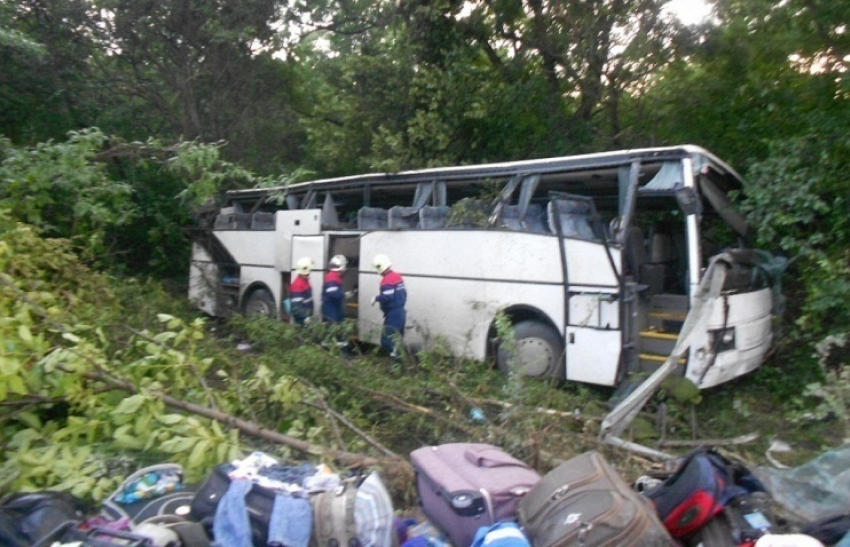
point(125, 205)
point(60, 188)
point(46, 51)
point(80, 394)
point(797, 199)
point(832, 395)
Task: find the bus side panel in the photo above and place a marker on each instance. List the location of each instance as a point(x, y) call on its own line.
point(594, 339)
point(249, 248)
point(203, 281)
point(458, 280)
point(288, 224)
point(750, 319)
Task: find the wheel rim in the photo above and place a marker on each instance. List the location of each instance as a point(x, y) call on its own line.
point(258, 306)
point(533, 357)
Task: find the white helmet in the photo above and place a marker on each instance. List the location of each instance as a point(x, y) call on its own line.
point(337, 263)
point(304, 266)
point(381, 263)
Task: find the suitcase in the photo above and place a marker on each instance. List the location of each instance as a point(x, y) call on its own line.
point(464, 486)
point(584, 502)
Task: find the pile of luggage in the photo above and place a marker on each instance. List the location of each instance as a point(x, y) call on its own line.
point(470, 495)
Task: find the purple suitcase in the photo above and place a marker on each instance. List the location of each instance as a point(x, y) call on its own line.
point(463, 486)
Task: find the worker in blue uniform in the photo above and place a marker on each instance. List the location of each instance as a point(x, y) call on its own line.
point(392, 297)
point(333, 294)
point(301, 292)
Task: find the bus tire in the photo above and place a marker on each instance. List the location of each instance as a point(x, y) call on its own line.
point(539, 352)
point(261, 302)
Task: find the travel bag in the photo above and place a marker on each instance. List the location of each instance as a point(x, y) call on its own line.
point(702, 485)
point(585, 502)
point(333, 517)
point(259, 502)
point(35, 518)
point(464, 486)
point(151, 492)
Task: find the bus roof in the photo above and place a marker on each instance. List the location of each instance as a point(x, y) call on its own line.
point(504, 169)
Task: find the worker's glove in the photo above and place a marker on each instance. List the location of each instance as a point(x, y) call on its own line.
point(374, 301)
point(308, 320)
point(351, 294)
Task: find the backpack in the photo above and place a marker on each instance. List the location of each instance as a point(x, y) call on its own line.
point(334, 524)
point(703, 483)
point(34, 517)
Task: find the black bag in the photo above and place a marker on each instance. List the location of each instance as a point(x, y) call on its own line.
point(830, 529)
point(259, 501)
point(38, 518)
point(743, 520)
point(104, 537)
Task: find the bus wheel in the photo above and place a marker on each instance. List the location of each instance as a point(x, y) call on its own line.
point(260, 302)
point(538, 354)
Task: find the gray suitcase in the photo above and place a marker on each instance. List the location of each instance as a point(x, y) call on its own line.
point(463, 486)
point(584, 502)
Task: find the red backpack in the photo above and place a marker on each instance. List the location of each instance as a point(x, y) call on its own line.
point(702, 485)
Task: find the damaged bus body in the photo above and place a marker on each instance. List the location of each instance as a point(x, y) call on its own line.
point(594, 259)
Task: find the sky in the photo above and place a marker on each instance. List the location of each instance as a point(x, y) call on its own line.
point(690, 12)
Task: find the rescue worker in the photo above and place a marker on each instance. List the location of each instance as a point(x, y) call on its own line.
point(392, 297)
point(333, 296)
point(301, 292)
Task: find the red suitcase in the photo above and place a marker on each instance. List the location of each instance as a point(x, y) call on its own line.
point(463, 486)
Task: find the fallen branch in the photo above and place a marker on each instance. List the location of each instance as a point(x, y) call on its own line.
point(537, 409)
point(353, 428)
point(347, 458)
point(741, 439)
point(410, 407)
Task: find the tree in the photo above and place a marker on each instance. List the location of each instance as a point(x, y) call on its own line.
point(590, 53)
point(745, 81)
point(198, 70)
point(125, 205)
point(46, 88)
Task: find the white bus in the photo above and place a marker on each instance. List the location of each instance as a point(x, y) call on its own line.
point(594, 259)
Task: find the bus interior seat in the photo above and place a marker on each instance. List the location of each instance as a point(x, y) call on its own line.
point(433, 217)
point(533, 221)
point(262, 221)
point(575, 217)
point(330, 218)
point(223, 222)
point(371, 218)
point(654, 272)
point(403, 217)
point(241, 221)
